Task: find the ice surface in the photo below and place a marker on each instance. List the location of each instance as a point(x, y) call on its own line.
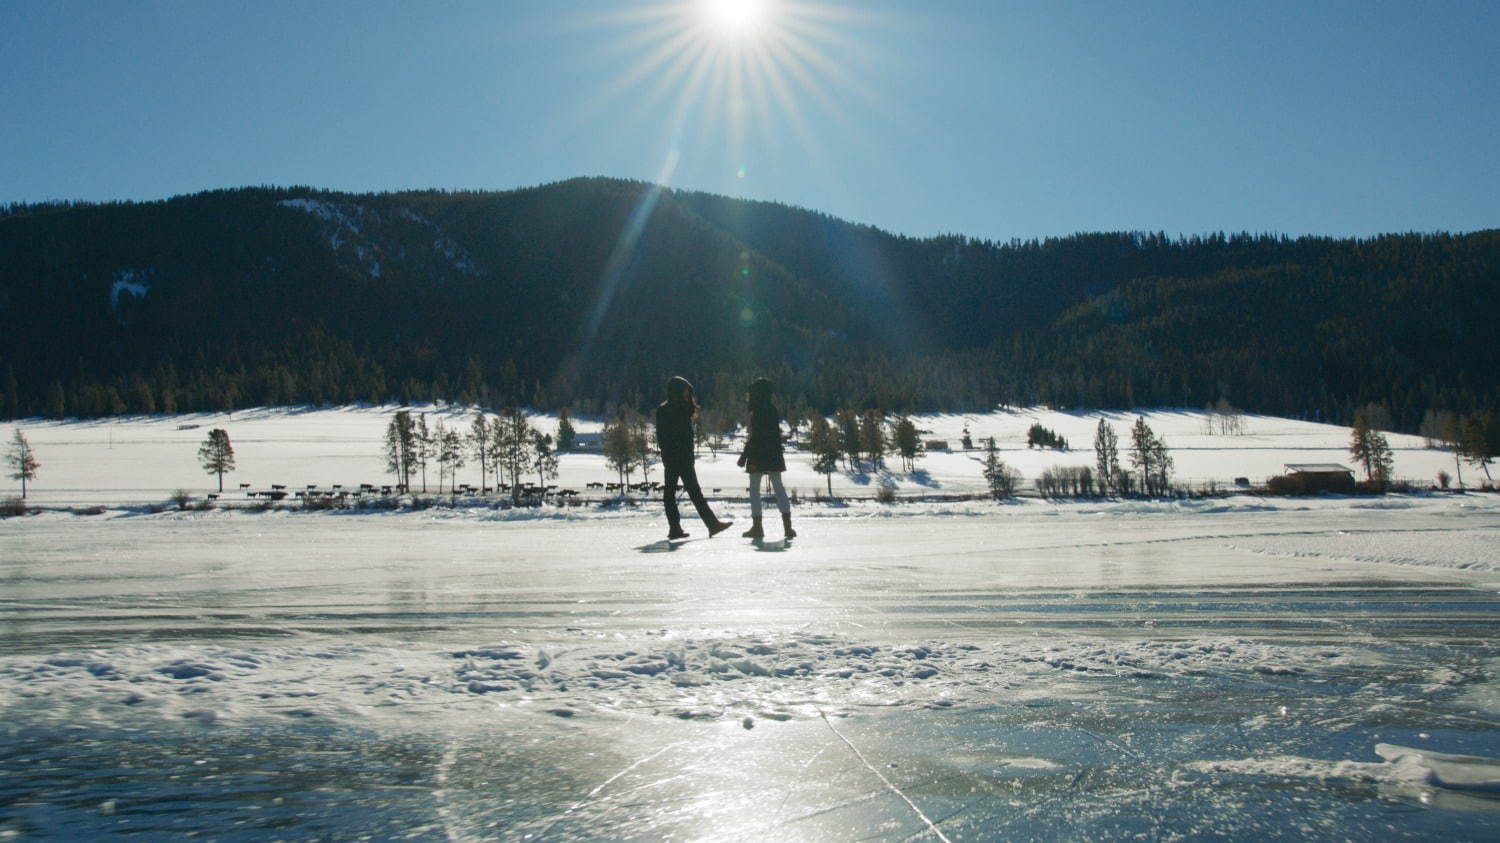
point(1241, 667)
point(983, 671)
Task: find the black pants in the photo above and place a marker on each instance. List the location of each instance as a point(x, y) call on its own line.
point(689, 477)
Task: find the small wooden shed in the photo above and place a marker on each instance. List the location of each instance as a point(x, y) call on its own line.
point(1307, 478)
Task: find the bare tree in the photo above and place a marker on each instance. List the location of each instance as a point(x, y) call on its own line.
point(1107, 457)
point(479, 445)
point(511, 442)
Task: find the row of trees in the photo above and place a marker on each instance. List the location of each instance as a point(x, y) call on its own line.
point(1038, 436)
point(1474, 438)
point(503, 446)
point(1150, 468)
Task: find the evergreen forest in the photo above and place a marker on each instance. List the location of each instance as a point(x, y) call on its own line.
point(587, 294)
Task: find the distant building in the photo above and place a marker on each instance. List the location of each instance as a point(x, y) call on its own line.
point(588, 441)
point(1319, 477)
point(1323, 472)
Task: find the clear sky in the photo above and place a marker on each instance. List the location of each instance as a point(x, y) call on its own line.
point(994, 119)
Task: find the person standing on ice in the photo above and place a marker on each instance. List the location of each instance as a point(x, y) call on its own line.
point(763, 457)
point(674, 436)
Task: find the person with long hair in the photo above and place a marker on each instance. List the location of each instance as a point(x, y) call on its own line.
point(763, 457)
point(674, 436)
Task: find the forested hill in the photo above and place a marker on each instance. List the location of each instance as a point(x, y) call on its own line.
point(587, 293)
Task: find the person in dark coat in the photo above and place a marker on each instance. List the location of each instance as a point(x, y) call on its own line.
point(674, 436)
point(763, 457)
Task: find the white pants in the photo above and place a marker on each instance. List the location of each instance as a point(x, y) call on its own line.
point(781, 501)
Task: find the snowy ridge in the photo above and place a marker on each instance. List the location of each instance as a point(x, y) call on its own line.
point(775, 677)
point(134, 282)
point(357, 226)
point(342, 222)
point(445, 245)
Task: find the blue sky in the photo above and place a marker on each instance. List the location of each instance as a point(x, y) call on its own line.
point(992, 119)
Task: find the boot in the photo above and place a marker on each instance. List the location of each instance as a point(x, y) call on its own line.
point(755, 531)
point(676, 533)
point(786, 524)
point(718, 527)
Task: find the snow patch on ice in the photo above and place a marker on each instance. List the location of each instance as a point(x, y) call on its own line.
point(1402, 765)
point(773, 677)
point(1316, 769)
point(1458, 548)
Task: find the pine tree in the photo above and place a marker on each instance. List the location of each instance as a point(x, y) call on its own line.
point(216, 454)
point(1454, 436)
point(620, 452)
point(643, 439)
point(543, 458)
point(907, 443)
point(1107, 457)
point(823, 440)
point(565, 431)
point(848, 429)
point(401, 448)
point(1479, 437)
point(22, 460)
point(1002, 479)
point(1369, 448)
point(57, 406)
point(450, 445)
point(872, 437)
point(11, 409)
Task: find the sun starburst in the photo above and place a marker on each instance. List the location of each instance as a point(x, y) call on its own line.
point(729, 73)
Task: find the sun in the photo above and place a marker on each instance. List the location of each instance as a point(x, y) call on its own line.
point(734, 18)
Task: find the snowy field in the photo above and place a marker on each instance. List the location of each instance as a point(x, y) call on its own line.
point(138, 460)
point(1241, 667)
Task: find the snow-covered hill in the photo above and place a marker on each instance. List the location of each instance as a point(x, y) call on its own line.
point(144, 459)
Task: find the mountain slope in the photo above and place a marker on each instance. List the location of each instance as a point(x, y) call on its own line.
point(588, 292)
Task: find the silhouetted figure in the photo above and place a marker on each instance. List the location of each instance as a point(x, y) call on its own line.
point(763, 457)
point(674, 436)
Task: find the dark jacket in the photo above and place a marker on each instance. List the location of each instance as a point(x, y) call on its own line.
point(674, 433)
point(763, 445)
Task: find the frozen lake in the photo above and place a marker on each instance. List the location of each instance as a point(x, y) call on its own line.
point(1233, 668)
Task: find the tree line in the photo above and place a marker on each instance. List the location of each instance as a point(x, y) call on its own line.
point(505, 446)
